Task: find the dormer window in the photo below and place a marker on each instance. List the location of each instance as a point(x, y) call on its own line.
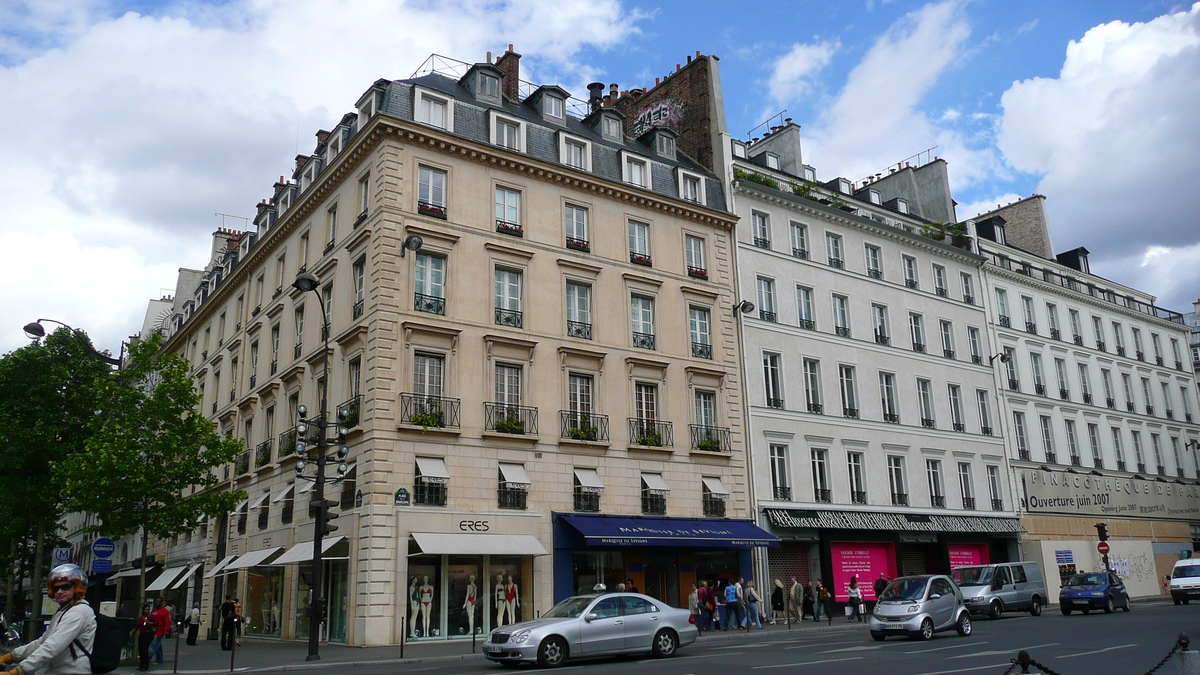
point(436, 111)
point(308, 176)
point(507, 132)
point(489, 85)
point(553, 107)
point(636, 170)
point(665, 145)
point(810, 174)
point(772, 161)
point(691, 187)
point(574, 152)
point(902, 206)
point(335, 145)
point(739, 149)
point(367, 111)
point(610, 128)
point(873, 196)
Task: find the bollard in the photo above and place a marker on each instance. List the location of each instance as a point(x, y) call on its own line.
point(233, 647)
point(175, 663)
point(1023, 660)
point(403, 633)
point(472, 642)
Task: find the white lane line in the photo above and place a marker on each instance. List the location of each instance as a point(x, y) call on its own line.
point(1096, 651)
point(823, 644)
point(805, 663)
point(966, 670)
point(860, 648)
point(954, 646)
point(1002, 652)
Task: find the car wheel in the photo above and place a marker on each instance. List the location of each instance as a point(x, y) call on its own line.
point(964, 624)
point(994, 610)
point(1035, 607)
point(1065, 610)
point(926, 632)
point(1177, 601)
point(552, 652)
point(1109, 607)
point(1126, 607)
point(665, 644)
point(1085, 611)
point(878, 637)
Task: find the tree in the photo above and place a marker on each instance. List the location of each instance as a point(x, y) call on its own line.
point(47, 399)
point(148, 464)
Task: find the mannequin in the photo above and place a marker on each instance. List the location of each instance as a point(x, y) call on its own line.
point(426, 595)
point(268, 627)
point(512, 600)
point(275, 627)
point(414, 604)
point(469, 604)
point(498, 596)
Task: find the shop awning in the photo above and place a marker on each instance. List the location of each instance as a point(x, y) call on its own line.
point(303, 551)
point(183, 578)
point(309, 484)
point(655, 484)
point(253, 558)
point(220, 567)
point(689, 532)
point(515, 476)
point(241, 505)
point(433, 470)
point(437, 543)
point(794, 519)
point(283, 493)
point(589, 481)
point(715, 487)
point(168, 575)
point(258, 502)
point(112, 581)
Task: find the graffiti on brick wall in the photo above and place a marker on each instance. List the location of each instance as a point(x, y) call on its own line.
point(665, 113)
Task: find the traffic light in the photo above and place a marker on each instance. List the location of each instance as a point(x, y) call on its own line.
point(323, 515)
point(1102, 531)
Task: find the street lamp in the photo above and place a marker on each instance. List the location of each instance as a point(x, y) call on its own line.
point(306, 282)
point(35, 330)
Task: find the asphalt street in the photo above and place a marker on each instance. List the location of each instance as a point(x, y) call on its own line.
point(1096, 644)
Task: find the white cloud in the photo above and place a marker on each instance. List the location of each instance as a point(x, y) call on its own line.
point(1028, 26)
point(125, 134)
point(1114, 138)
point(973, 209)
point(792, 76)
point(950, 115)
point(1172, 274)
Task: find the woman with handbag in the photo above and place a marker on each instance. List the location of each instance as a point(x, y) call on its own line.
point(145, 628)
point(752, 601)
point(855, 600)
point(777, 604)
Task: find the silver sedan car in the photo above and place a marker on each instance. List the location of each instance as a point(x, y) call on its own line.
point(593, 625)
point(919, 607)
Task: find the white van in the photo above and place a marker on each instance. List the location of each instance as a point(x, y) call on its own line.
point(1002, 587)
point(1185, 581)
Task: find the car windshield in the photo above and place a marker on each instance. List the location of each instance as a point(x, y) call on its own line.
point(972, 576)
point(571, 608)
point(1186, 571)
point(1086, 580)
point(902, 590)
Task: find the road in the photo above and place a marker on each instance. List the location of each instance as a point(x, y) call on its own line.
point(1096, 644)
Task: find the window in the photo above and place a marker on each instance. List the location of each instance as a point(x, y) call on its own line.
point(933, 470)
point(973, 341)
point(664, 145)
point(359, 273)
point(299, 324)
point(1175, 455)
point(820, 475)
point(956, 411)
point(1097, 330)
point(706, 408)
point(857, 474)
point(887, 397)
point(965, 485)
point(1060, 368)
point(579, 399)
point(879, 322)
point(916, 330)
point(331, 227)
point(576, 221)
point(848, 390)
point(804, 307)
point(1109, 393)
point(1158, 456)
point(1072, 442)
point(713, 504)
point(780, 485)
point(1010, 367)
point(761, 227)
point(968, 289)
point(507, 134)
point(1002, 306)
point(508, 210)
point(1127, 384)
point(691, 188)
point(1137, 342)
point(874, 261)
point(1174, 349)
point(1019, 433)
point(645, 401)
point(833, 249)
point(1039, 380)
point(1137, 451)
point(1094, 441)
point(507, 286)
point(430, 480)
point(1186, 399)
point(575, 153)
point(841, 316)
point(1047, 438)
point(1030, 317)
point(354, 376)
point(1118, 338)
point(1149, 398)
point(303, 258)
point(799, 240)
point(327, 298)
point(513, 487)
point(489, 85)
point(508, 385)
point(611, 128)
point(434, 111)
point(939, 281)
point(274, 347)
point(579, 310)
point(1085, 384)
point(1168, 408)
point(430, 284)
point(772, 161)
point(698, 329)
point(431, 191)
point(947, 331)
point(766, 299)
point(553, 107)
point(896, 481)
point(985, 417)
point(639, 242)
point(910, 271)
point(636, 172)
point(993, 474)
point(1052, 317)
point(812, 385)
point(694, 252)
point(925, 401)
point(771, 377)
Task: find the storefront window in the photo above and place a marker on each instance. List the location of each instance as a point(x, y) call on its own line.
point(263, 606)
point(714, 565)
point(424, 597)
point(508, 589)
point(336, 571)
point(601, 567)
point(465, 595)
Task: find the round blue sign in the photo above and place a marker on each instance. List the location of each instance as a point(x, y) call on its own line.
point(103, 547)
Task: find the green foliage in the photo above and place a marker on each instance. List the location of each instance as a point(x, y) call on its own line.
point(510, 425)
point(650, 439)
point(148, 462)
point(432, 418)
point(956, 232)
point(756, 178)
point(584, 433)
point(802, 190)
point(708, 444)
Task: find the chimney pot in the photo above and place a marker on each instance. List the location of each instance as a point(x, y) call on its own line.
point(510, 47)
point(677, 67)
point(788, 120)
point(657, 81)
point(697, 53)
point(689, 59)
point(489, 57)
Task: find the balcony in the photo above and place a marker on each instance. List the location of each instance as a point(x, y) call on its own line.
point(1169, 413)
point(1098, 461)
point(762, 242)
point(582, 426)
point(1099, 343)
point(510, 419)
point(511, 318)
point(262, 453)
point(1039, 389)
point(650, 433)
point(358, 309)
point(766, 316)
point(836, 263)
point(1120, 350)
point(959, 426)
point(891, 418)
point(977, 359)
point(697, 272)
point(807, 324)
point(1023, 454)
point(429, 304)
point(1121, 465)
point(937, 501)
point(986, 431)
point(429, 412)
point(1064, 394)
point(328, 247)
point(1005, 322)
point(713, 507)
point(969, 299)
point(1179, 365)
point(997, 504)
point(824, 496)
point(858, 497)
point(919, 347)
point(1087, 398)
point(1162, 470)
point(781, 493)
point(710, 439)
point(1179, 472)
point(776, 403)
point(643, 340)
point(1031, 328)
point(582, 245)
point(842, 331)
point(1141, 356)
point(287, 443)
point(214, 408)
point(1158, 360)
point(968, 503)
point(899, 499)
point(851, 413)
point(948, 353)
point(911, 283)
point(429, 494)
point(431, 209)
point(816, 408)
point(579, 329)
point(1051, 457)
point(801, 253)
point(641, 259)
point(348, 412)
point(701, 350)
point(941, 292)
point(928, 423)
point(882, 339)
point(511, 229)
point(1076, 460)
point(1111, 403)
point(586, 501)
point(1141, 467)
point(1055, 334)
point(278, 292)
point(1187, 417)
point(243, 463)
point(233, 396)
point(510, 498)
point(1014, 385)
point(1150, 410)
point(253, 381)
point(297, 351)
point(875, 273)
point(1129, 406)
point(654, 505)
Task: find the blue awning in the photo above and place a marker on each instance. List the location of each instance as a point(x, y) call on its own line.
point(689, 532)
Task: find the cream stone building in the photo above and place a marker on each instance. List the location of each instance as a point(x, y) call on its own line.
point(532, 337)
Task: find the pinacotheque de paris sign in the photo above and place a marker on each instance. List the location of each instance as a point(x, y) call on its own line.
point(1082, 494)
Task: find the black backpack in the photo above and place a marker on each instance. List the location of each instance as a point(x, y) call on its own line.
point(111, 636)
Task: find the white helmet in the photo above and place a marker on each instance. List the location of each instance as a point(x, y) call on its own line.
point(67, 573)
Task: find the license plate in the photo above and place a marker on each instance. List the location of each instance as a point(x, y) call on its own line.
point(893, 626)
point(494, 650)
point(1080, 602)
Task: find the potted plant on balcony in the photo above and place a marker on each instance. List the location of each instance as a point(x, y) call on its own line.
point(510, 425)
point(427, 418)
point(583, 433)
point(708, 444)
point(649, 438)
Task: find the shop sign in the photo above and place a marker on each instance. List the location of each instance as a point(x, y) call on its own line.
point(474, 525)
point(402, 497)
point(1080, 494)
point(358, 499)
point(864, 560)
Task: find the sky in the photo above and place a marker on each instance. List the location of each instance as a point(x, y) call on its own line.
point(132, 125)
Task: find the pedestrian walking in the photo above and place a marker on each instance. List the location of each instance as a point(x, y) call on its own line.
point(880, 584)
point(855, 600)
point(162, 623)
point(238, 620)
point(817, 600)
point(795, 599)
point(734, 610)
point(777, 604)
point(694, 605)
point(193, 623)
point(806, 604)
point(54, 653)
point(752, 603)
point(145, 629)
point(827, 602)
point(227, 623)
point(720, 615)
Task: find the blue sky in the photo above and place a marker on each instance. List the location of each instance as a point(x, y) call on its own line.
point(133, 123)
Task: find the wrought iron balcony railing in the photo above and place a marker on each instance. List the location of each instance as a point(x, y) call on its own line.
point(262, 453)
point(701, 350)
point(431, 209)
point(352, 408)
point(579, 244)
point(579, 329)
point(510, 419)
point(511, 318)
point(643, 340)
point(434, 412)
point(781, 493)
point(429, 303)
point(899, 499)
point(586, 501)
point(582, 426)
point(650, 433)
point(823, 495)
point(969, 503)
point(513, 229)
point(710, 439)
point(937, 501)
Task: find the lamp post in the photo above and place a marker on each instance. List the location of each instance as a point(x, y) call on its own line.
point(306, 282)
point(35, 330)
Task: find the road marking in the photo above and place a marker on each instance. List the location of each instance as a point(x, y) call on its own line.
point(1096, 651)
point(965, 670)
point(806, 663)
point(824, 644)
point(1002, 652)
point(860, 648)
point(954, 646)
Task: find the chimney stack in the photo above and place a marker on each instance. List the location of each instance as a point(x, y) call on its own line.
point(595, 95)
point(510, 64)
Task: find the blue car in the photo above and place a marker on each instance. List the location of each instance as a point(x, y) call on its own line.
point(1093, 590)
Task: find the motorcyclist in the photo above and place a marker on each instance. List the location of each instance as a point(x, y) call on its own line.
point(55, 652)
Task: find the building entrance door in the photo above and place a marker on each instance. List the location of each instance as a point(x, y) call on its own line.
point(662, 578)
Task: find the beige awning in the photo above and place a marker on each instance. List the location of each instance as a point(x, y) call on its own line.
point(254, 558)
point(219, 567)
point(164, 580)
point(433, 470)
point(303, 552)
point(283, 493)
point(655, 483)
point(715, 487)
point(183, 578)
point(437, 543)
point(258, 502)
point(589, 481)
point(515, 476)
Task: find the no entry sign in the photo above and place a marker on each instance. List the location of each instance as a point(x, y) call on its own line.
point(1102, 547)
